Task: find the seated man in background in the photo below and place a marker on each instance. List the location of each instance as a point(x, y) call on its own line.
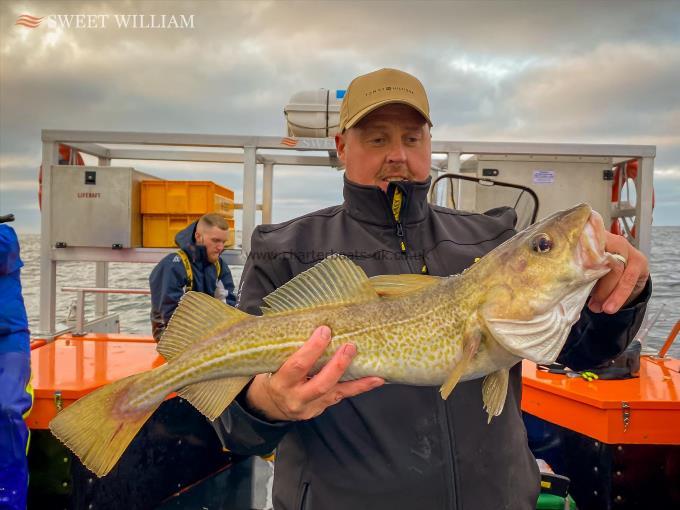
point(195, 266)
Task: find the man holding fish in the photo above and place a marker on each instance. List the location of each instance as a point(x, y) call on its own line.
point(400, 446)
point(447, 431)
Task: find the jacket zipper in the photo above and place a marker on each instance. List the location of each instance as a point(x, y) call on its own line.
point(302, 505)
point(400, 235)
point(453, 487)
point(397, 210)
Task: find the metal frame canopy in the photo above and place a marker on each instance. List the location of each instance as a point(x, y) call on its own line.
point(267, 151)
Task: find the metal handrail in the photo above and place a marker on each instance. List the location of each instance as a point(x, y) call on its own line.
point(80, 301)
point(105, 290)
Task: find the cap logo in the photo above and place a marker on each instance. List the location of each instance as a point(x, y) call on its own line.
point(387, 89)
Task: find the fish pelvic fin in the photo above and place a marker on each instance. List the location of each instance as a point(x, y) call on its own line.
point(397, 285)
point(336, 280)
point(90, 428)
point(197, 316)
point(494, 392)
point(211, 398)
point(471, 342)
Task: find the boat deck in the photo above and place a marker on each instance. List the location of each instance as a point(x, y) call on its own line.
point(72, 366)
point(642, 410)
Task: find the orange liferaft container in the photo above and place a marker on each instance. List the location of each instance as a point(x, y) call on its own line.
point(186, 197)
point(159, 230)
point(70, 367)
point(642, 410)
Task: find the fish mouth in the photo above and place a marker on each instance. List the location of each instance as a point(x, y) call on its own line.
point(590, 252)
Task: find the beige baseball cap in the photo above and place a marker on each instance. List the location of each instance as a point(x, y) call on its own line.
point(384, 86)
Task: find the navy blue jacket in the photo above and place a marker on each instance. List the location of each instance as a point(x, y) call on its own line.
point(14, 335)
point(168, 280)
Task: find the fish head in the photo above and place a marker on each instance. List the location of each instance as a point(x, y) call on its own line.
point(540, 280)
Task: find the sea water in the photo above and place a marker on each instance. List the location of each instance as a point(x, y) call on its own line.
point(134, 309)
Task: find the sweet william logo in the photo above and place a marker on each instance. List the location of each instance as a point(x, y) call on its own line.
point(28, 21)
point(103, 21)
point(289, 142)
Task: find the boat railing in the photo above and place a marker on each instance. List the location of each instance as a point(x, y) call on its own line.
point(267, 153)
point(669, 340)
point(80, 302)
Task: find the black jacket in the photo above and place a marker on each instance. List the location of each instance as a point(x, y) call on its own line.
point(168, 280)
point(400, 447)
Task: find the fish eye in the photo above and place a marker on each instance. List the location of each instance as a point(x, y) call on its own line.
point(541, 243)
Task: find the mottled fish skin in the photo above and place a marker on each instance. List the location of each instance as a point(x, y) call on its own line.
point(411, 340)
point(416, 339)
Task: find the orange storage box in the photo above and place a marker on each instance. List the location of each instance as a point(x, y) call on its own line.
point(71, 367)
point(641, 410)
point(186, 197)
point(159, 230)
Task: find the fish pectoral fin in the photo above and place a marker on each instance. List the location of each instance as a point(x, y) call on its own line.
point(197, 316)
point(494, 392)
point(471, 344)
point(336, 280)
point(396, 285)
point(211, 398)
point(89, 428)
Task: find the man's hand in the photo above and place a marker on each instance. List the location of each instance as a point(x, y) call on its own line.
point(624, 282)
point(289, 393)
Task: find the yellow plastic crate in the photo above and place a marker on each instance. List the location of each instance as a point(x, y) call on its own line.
point(186, 197)
point(159, 230)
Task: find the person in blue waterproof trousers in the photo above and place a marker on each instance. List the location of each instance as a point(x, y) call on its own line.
point(15, 371)
point(195, 266)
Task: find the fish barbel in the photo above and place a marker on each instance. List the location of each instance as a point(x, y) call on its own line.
point(518, 301)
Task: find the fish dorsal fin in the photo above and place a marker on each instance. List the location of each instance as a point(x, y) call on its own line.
point(396, 285)
point(198, 316)
point(336, 280)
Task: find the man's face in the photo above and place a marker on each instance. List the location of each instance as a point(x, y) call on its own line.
point(213, 238)
point(390, 143)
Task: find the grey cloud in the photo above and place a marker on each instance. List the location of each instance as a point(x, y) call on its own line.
point(558, 71)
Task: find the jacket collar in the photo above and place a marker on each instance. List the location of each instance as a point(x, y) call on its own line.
point(369, 204)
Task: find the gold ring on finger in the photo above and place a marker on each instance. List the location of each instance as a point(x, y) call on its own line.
point(620, 258)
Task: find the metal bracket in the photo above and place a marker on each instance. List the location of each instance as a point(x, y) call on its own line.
point(625, 409)
point(58, 402)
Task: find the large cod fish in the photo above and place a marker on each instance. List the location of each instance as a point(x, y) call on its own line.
point(519, 301)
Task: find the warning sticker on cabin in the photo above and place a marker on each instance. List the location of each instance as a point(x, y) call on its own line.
point(544, 176)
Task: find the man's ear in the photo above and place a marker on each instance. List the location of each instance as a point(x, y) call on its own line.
point(340, 146)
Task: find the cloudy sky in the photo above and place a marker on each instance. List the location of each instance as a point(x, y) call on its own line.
point(594, 72)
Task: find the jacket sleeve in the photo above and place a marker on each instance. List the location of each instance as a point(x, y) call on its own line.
point(167, 282)
point(9, 251)
point(238, 428)
point(600, 337)
point(228, 282)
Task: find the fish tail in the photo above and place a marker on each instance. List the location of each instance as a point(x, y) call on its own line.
point(96, 431)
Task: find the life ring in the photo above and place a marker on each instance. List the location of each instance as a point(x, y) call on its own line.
point(67, 156)
point(623, 172)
